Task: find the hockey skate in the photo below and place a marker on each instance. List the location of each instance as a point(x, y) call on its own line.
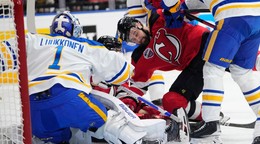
point(223, 120)
point(206, 133)
point(256, 140)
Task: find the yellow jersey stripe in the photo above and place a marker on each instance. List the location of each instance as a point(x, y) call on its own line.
point(74, 80)
point(93, 106)
point(67, 72)
point(31, 84)
point(156, 77)
point(227, 7)
point(212, 98)
point(212, 40)
point(124, 77)
point(176, 7)
point(213, 3)
point(137, 12)
point(63, 77)
point(253, 97)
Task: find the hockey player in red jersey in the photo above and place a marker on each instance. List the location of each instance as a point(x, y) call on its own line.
point(142, 110)
point(168, 43)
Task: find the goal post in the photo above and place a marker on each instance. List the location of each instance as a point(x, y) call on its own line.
point(15, 121)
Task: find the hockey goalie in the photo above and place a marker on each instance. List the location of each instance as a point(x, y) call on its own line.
point(124, 126)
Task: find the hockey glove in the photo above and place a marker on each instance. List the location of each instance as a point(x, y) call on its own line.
point(148, 5)
point(173, 20)
point(172, 6)
point(133, 103)
point(172, 13)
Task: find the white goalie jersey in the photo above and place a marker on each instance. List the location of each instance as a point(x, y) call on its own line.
point(71, 62)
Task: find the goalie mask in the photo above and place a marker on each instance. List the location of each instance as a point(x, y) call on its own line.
point(124, 25)
point(111, 43)
point(66, 24)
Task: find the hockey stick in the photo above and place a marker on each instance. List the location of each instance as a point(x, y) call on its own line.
point(223, 121)
point(190, 16)
point(248, 125)
point(197, 10)
point(237, 125)
point(162, 111)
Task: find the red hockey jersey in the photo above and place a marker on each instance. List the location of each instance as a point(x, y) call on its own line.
point(168, 49)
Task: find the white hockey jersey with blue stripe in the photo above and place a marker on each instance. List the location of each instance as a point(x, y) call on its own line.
point(71, 62)
point(222, 9)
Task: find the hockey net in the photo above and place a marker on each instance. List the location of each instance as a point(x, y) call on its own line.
point(14, 99)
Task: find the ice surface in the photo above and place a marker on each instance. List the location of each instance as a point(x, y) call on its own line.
point(234, 106)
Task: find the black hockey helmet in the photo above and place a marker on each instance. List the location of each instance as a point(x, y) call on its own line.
point(124, 25)
point(111, 43)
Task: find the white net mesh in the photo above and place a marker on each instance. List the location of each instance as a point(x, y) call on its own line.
point(11, 122)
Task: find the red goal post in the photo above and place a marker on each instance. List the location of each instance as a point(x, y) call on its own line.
point(15, 122)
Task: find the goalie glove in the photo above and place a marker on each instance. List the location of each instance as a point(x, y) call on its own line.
point(133, 103)
point(147, 112)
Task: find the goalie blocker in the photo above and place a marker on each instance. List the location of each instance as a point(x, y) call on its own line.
point(124, 126)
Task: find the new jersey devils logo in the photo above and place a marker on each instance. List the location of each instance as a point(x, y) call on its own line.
point(167, 46)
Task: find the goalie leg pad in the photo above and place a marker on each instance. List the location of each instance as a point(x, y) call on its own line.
point(155, 129)
point(125, 125)
point(117, 129)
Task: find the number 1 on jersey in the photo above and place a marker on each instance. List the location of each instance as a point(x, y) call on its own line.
point(56, 59)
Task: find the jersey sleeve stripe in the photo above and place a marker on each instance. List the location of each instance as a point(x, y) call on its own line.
point(135, 7)
point(137, 12)
point(156, 83)
point(122, 76)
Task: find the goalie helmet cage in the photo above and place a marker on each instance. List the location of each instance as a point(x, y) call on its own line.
point(15, 122)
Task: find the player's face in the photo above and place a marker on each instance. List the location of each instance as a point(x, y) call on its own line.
point(137, 36)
